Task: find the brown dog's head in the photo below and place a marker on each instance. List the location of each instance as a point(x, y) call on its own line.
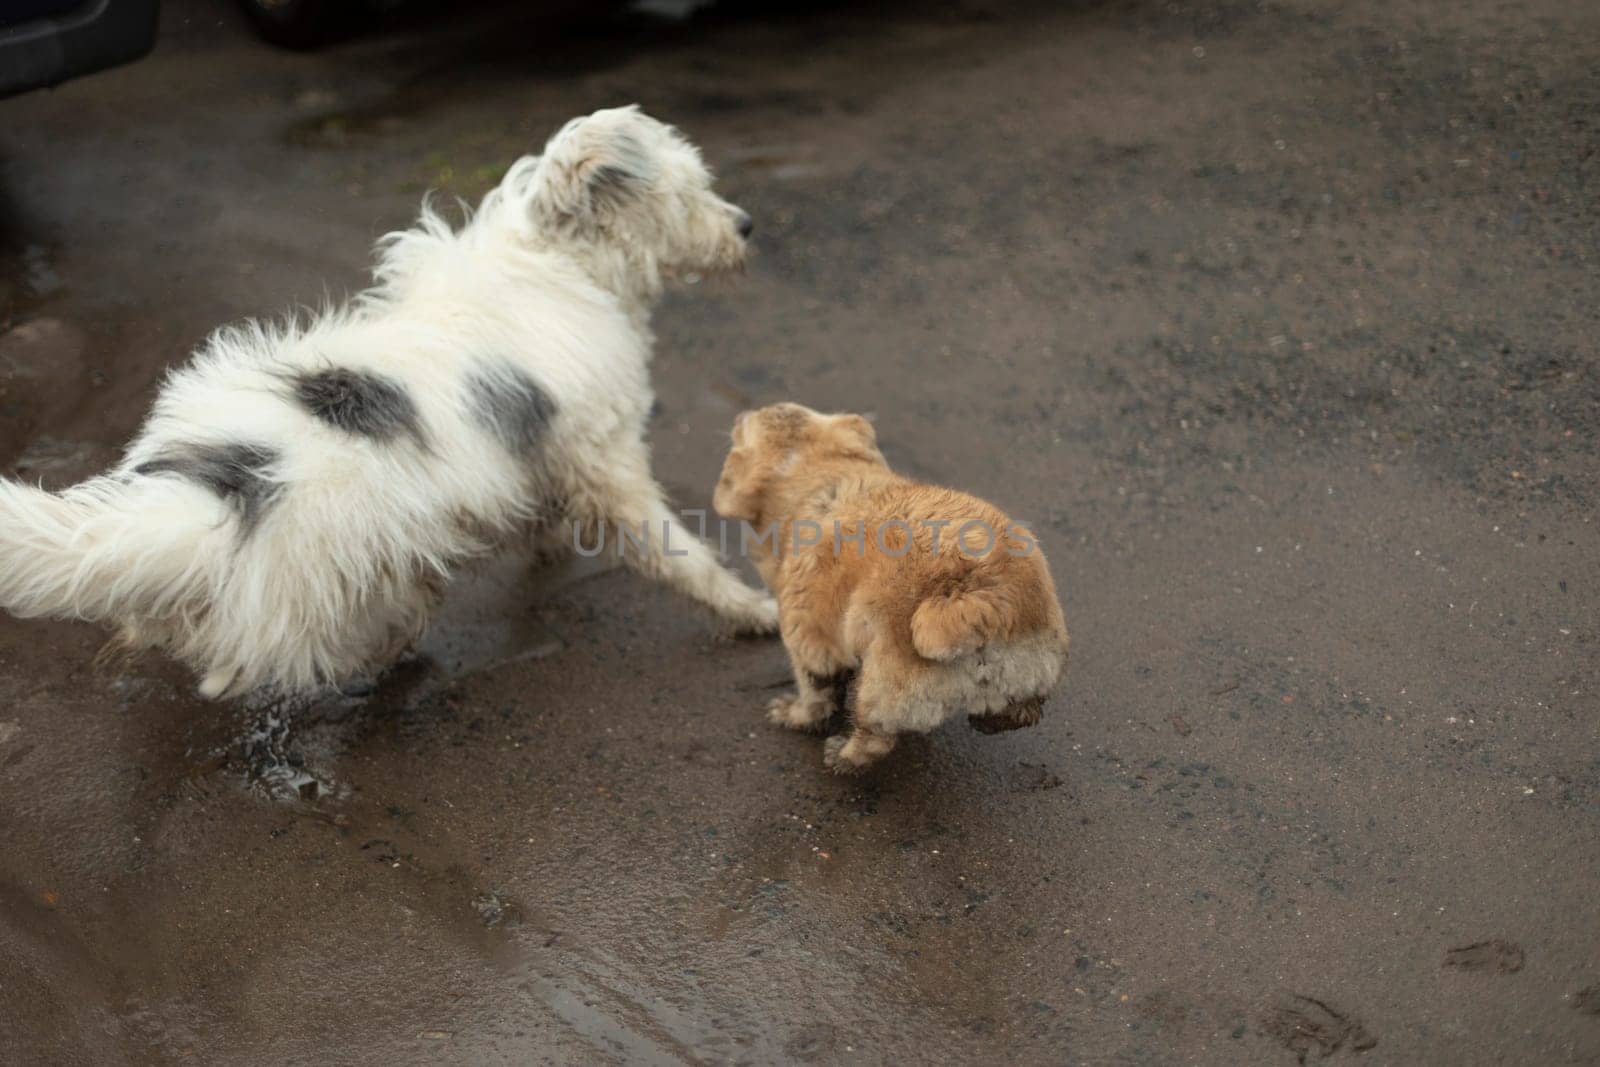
point(774, 445)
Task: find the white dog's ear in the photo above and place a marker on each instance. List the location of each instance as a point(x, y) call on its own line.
point(597, 165)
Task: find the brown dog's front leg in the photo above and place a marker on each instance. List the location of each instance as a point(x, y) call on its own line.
point(856, 752)
point(809, 707)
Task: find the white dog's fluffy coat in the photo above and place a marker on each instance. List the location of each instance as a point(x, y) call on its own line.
point(292, 508)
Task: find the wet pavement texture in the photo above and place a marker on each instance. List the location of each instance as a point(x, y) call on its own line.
point(1276, 319)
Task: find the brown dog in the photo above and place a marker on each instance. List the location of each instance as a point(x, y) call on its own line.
point(936, 600)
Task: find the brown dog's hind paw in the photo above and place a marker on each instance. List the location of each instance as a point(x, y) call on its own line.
point(1013, 717)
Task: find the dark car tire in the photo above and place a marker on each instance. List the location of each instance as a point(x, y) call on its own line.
point(297, 23)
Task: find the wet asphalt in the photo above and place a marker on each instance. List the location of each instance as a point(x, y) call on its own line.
point(1277, 320)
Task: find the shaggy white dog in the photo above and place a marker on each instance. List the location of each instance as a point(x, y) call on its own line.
point(291, 510)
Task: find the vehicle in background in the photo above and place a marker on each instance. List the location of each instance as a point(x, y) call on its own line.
point(297, 23)
point(45, 42)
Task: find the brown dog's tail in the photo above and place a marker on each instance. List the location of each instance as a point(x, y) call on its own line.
point(944, 627)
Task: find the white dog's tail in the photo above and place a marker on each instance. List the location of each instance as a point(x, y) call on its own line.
point(102, 550)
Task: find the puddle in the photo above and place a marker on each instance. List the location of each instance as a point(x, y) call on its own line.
point(488, 621)
point(495, 909)
point(275, 767)
point(615, 1007)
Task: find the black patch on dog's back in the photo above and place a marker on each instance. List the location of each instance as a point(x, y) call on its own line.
point(358, 402)
point(232, 470)
point(508, 403)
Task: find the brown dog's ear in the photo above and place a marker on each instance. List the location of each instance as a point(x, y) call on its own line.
point(858, 432)
point(740, 489)
point(859, 426)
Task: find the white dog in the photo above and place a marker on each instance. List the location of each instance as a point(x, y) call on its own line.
point(292, 508)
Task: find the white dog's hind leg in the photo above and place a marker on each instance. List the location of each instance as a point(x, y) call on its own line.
point(659, 546)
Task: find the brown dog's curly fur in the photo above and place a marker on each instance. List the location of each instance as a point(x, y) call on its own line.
point(936, 600)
